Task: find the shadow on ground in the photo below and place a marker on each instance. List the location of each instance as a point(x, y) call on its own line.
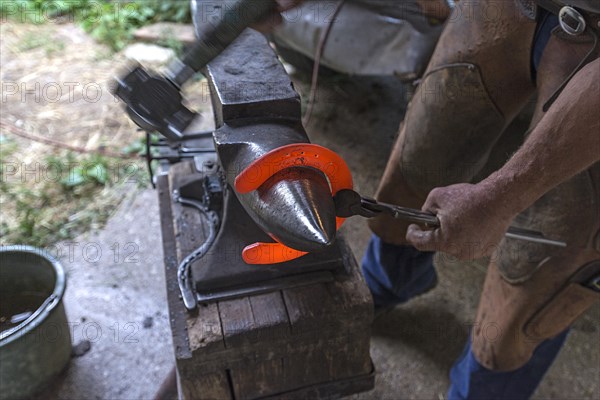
point(437, 334)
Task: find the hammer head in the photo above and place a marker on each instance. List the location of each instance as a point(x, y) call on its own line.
point(154, 103)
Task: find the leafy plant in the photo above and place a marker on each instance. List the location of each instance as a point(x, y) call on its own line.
point(169, 40)
point(7, 147)
point(138, 146)
point(95, 173)
point(40, 11)
point(32, 41)
point(75, 193)
point(110, 22)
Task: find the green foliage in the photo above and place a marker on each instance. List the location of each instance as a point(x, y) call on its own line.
point(92, 171)
point(171, 42)
point(110, 22)
point(109, 25)
point(7, 147)
point(71, 194)
point(138, 146)
point(40, 11)
point(33, 40)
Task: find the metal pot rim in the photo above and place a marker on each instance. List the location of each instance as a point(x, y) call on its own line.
point(42, 312)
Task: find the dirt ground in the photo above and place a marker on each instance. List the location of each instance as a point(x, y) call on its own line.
point(60, 78)
point(116, 295)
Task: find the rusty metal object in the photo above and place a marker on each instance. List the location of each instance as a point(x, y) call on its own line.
point(256, 111)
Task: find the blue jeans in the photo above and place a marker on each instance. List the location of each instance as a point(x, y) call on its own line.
point(395, 274)
point(470, 380)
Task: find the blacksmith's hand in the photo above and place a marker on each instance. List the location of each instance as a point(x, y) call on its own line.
point(472, 223)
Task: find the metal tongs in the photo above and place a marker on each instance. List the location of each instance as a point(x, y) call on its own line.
point(349, 203)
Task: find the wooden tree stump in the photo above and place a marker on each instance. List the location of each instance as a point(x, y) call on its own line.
point(302, 342)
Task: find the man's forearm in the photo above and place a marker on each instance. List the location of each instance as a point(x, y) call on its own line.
point(565, 142)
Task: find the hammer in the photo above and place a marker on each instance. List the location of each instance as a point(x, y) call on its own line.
point(154, 102)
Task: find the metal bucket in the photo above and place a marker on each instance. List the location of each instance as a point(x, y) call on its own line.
point(35, 342)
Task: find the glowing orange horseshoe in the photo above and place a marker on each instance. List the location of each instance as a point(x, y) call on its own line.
point(294, 155)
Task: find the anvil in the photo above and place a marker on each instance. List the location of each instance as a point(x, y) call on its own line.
point(256, 110)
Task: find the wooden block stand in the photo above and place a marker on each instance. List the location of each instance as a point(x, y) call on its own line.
point(303, 342)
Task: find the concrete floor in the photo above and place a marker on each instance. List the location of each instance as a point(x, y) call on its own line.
point(111, 300)
point(117, 303)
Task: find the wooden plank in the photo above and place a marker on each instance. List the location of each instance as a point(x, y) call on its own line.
point(334, 305)
point(237, 320)
point(203, 327)
point(350, 292)
point(330, 390)
point(177, 313)
point(205, 331)
point(263, 378)
point(352, 358)
point(253, 320)
point(246, 356)
point(313, 312)
point(196, 385)
point(321, 362)
point(310, 308)
point(269, 311)
point(327, 361)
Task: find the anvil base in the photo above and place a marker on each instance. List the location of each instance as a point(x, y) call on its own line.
point(307, 341)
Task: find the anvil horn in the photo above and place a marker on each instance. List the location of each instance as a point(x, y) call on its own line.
point(256, 111)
